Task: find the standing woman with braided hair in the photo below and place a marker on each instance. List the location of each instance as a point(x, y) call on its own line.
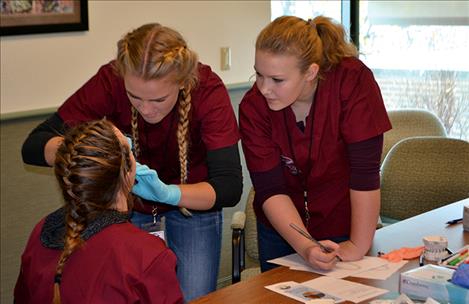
point(312, 132)
point(185, 136)
point(87, 251)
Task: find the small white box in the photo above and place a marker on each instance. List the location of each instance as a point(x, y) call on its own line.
point(432, 281)
point(465, 218)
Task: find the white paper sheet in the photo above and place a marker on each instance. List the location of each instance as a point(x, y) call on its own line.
point(382, 272)
point(303, 293)
point(342, 269)
point(344, 289)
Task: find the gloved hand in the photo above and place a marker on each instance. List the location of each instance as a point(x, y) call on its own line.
point(150, 187)
point(129, 140)
point(131, 144)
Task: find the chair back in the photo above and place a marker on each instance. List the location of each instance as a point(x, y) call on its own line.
point(250, 231)
point(244, 241)
point(409, 123)
point(423, 173)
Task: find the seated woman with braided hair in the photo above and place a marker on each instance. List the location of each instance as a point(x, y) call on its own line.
point(87, 251)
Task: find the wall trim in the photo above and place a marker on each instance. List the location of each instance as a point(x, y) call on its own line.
point(47, 111)
point(239, 86)
point(27, 114)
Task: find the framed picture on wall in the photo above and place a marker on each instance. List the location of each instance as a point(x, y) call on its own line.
point(24, 17)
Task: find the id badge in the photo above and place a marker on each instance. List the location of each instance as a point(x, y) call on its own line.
point(156, 227)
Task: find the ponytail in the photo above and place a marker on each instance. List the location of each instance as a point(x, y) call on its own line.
point(319, 41)
point(335, 44)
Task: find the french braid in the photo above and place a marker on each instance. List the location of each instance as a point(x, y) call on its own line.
point(91, 167)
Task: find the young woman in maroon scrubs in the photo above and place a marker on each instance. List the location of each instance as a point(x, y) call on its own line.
point(87, 251)
point(312, 130)
point(185, 135)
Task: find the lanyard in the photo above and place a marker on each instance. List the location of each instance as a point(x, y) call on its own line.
point(154, 210)
point(303, 175)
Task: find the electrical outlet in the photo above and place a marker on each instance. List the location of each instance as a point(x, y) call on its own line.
point(225, 58)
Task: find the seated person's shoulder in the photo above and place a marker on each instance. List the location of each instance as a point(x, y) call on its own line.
point(132, 236)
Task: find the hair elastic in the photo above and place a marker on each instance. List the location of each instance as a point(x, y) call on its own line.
point(58, 278)
point(311, 23)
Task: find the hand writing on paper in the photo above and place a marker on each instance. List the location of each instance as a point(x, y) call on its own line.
point(312, 256)
point(318, 258)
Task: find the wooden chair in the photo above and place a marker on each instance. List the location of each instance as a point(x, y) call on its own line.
point(423, 173)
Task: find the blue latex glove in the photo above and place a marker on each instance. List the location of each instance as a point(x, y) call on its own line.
point(150, 187)
point(129, 140)
point(131, 144)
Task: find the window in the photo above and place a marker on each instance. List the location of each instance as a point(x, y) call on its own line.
point(307, 9)
point(418, 53)
point(416, 49)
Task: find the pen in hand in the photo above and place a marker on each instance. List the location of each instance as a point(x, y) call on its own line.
point(309, 237)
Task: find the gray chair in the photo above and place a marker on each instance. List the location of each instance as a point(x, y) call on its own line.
point(423, 173)
point(244, 241)
point(411, 122)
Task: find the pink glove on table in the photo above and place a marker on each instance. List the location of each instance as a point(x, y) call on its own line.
point(404, 253)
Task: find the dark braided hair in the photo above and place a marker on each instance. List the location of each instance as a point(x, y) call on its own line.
point(91, 168)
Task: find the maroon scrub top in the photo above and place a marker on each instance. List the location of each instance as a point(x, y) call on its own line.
point(212, 125)
point(120, 264)
point(348, 108)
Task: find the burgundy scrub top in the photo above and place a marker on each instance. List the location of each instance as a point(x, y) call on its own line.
point(212, 125)
point(348, 108)
point(119, 264)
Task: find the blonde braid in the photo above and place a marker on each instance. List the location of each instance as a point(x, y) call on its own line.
point(135, 137)
point(183, 132)
point(183, 138)
point(178, 56)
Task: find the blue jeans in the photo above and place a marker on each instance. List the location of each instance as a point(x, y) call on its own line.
point(272, 245)
point(196, 241)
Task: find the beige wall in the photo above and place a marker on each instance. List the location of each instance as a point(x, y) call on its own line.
point(40, 71)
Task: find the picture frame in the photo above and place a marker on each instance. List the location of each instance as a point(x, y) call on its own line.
point(24, 17)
